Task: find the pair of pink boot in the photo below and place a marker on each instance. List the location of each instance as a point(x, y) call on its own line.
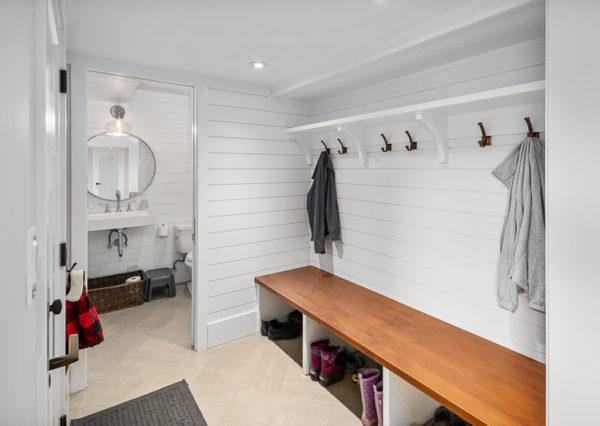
point(371, 393)
point(323, 366)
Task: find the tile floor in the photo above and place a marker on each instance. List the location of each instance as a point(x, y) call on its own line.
point(246, 382)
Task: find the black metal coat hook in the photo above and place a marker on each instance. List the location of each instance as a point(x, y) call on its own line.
point(411, 144)
point(530, 131)
point(69, 270)
point(388, 146)
point(485, 139)
point(328, 150)
point(344, 149)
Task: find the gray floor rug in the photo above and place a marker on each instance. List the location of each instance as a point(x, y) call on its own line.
point(171, 405)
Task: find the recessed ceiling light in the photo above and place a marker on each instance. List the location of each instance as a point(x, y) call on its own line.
point(258, 65)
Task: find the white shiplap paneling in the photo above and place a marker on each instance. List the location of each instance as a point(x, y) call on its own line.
point(427, 234)
point(164, 121)
point(256, 199)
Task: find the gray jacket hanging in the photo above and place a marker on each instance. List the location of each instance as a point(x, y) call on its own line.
point(322, 204)
point(522, 248)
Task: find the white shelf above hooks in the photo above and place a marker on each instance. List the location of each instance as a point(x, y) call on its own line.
point(431, 115)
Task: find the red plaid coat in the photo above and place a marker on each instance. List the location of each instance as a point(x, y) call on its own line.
point(82, 319)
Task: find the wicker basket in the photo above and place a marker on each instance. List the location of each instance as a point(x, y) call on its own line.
point(111, 293)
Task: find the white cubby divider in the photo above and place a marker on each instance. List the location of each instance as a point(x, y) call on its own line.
point(403, 404)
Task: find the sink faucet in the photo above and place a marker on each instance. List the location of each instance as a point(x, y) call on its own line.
point(118, 194)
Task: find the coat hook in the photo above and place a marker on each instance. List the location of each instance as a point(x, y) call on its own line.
point(388, 146)
point(530, 131)
point(72, 267)
point(328, 150)
point(344, 149)
point(412, 144)
point(485, 140)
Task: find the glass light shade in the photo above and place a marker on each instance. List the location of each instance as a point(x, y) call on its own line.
point(118, 125)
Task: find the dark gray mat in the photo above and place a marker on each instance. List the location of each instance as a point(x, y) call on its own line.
point(171, 405)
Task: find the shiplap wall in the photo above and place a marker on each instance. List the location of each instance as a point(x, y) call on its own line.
point(164, 121)
point(257, 201)
point(428, 234)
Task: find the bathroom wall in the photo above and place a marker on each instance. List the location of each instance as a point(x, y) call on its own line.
point(256, 201)
point(162, 117)
point(425, 233)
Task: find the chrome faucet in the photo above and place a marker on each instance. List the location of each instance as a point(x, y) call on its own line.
point(118, 194)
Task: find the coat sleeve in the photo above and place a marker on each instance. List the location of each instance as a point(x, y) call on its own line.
point(331, 208)
point(316, 206)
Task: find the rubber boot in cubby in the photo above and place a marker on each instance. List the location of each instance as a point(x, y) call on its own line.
point(315, 358)
point(457, 421)
point(378, 391)
point(331, 371)
point(367, 378)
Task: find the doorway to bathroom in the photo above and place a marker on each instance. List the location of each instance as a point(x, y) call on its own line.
point(140, 210)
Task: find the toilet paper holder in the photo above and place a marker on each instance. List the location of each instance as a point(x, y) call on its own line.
point(162, 230)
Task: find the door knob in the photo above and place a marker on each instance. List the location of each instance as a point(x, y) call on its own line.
point(55, 307)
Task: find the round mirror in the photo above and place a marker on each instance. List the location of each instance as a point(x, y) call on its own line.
point(119, 163)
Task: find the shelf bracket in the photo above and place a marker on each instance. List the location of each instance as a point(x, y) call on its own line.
point(356, 135)
point(436, 124)
point(302, 142)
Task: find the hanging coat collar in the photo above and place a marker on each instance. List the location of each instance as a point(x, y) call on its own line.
point(324, 161)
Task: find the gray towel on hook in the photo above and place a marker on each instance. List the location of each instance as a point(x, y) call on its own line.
point(522, 247)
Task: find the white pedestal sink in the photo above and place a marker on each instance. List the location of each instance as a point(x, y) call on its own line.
point(121, 220)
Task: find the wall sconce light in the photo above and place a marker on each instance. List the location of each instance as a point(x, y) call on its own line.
point(118, 126)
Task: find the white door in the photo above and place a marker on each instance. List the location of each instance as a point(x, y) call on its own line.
point(107, 174)
point(54, 197)
point(32, 189)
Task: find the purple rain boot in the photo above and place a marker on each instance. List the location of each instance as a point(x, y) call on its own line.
point(315, 358)
point(367, 378)
point(331, 372)
point(378, 391)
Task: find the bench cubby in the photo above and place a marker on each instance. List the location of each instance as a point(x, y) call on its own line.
point(427, 362)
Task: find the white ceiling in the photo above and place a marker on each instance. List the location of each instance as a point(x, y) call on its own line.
point(314, 47)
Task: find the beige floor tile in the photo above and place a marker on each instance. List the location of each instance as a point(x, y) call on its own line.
point(167, 343)
point(299, 412)
point(249, 410)
point(338, 414)
point(299, 386)
point(179, 324)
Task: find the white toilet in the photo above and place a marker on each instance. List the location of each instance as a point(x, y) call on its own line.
point(185, 245)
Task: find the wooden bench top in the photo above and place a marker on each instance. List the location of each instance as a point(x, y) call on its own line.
point(483, 382)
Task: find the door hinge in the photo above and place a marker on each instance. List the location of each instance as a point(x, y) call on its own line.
point(63, 81)
point(63, 254)
point(63, 420)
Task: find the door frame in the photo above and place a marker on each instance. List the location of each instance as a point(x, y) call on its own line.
point(80, 65)
point(52, 196)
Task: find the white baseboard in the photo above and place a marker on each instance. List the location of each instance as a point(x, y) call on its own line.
point(232, 328)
